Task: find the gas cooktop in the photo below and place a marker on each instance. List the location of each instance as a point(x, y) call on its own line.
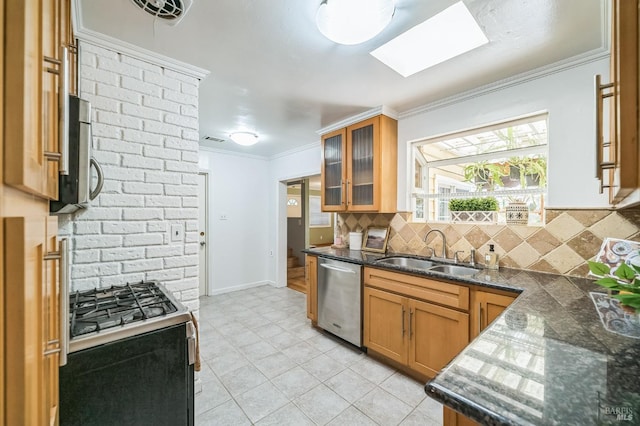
point(103, 315)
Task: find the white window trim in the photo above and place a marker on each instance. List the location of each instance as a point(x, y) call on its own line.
point(425, 191)
point(327, 220)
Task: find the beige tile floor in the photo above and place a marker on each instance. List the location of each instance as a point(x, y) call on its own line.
point(264, 364)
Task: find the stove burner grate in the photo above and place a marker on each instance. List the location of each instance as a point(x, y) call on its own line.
point(100, 309)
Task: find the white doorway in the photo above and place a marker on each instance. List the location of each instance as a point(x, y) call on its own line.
point(203, 232)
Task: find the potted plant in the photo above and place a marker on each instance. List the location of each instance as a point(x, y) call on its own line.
point(485, 175)
point(535, 171)
point(474, 209)
point(625, 281)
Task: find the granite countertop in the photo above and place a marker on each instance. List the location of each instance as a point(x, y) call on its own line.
point(548, 359)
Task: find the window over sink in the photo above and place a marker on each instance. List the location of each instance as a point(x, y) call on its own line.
point(506, 161)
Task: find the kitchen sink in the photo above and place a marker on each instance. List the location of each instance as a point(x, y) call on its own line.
point(453, 270)
point(408, 262)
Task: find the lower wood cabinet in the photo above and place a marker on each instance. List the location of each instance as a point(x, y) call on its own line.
point(420, 335)
point(486, 307)
point(436, 336)
point(453, 418)
point(421, 324)
point(311, 276)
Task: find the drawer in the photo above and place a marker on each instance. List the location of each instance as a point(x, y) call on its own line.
point(442, 293)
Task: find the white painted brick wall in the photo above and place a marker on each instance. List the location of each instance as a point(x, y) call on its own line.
point(145, 134)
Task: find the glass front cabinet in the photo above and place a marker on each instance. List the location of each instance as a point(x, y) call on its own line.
point(359, 167)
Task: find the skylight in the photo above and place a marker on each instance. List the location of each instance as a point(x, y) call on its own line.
point(448, 34)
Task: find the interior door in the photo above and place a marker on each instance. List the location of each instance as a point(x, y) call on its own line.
point(203, 214)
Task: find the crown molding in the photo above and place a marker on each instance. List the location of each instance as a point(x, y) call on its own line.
point(306, 147)
point(358, 118)
point(576, 61)
point(233, 153)
point(85, 34)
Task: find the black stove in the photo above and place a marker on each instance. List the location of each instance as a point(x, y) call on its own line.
point(131, 358)
point(100, 309)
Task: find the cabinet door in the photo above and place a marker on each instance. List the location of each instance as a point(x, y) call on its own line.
point(311, 271)
point(437, 335)
point(24, 248)
point(453, 418)
point(31, 79)
point(624, 75)
point(385, 324)
point(363, 175)
point(486, 308)
point(334, 171)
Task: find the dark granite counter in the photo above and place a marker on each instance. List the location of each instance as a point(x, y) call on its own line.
point(549, 359)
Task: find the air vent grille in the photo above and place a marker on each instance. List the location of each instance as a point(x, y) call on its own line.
point(213, 139)
point(165, 9)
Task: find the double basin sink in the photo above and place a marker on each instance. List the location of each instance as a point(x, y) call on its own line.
point(428, 265)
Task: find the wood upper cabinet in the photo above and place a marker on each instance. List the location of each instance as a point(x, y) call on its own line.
point(311, 276)
point(420, 334)
point(35, 32)
point(359, 167)
point(618, 153)
point(486, 307)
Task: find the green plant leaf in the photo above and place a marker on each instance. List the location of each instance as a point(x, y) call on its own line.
point(632, 300)
point(625, 272)
point(610, 283)
point(599, 268)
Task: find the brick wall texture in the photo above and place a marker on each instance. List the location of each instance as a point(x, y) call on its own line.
point(145, 136)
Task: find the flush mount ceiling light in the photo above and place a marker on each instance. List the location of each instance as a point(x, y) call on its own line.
point(244, 138)
point(450, 33)
point(353, 21)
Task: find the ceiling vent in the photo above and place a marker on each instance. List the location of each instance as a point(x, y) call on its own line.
point(213, 139)
point(169, 11)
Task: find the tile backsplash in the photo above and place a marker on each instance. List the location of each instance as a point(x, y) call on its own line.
point(568, 239)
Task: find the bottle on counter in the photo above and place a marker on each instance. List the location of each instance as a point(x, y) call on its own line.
point(491, 258)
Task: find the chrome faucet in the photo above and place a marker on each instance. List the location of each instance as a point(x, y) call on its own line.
point(444, 242)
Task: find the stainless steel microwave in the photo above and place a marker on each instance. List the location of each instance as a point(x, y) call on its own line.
point(75, 189)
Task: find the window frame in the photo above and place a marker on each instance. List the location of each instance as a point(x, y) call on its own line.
point(328, 216)
point(433, 199)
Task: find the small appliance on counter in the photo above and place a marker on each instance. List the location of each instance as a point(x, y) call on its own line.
point(131, 358)
point(74, 188)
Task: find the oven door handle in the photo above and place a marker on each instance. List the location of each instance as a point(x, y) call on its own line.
point(191, 342)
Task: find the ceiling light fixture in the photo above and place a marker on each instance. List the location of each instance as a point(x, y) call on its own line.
point(353, 21)
point(244, 138)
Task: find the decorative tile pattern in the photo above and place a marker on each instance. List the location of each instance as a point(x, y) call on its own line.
point(563, 245)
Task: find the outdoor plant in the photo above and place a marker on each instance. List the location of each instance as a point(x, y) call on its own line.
point(483, 173)
point(625, 279)
point(534, 168)
point(473, 204)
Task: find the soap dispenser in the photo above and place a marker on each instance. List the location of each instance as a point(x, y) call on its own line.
point(491, 258)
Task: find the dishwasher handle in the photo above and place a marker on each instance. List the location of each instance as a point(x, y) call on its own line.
point(337, 268)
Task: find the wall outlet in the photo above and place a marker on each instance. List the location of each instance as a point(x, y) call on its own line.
point(223, 216)
point(271, 253)
point(177, 232)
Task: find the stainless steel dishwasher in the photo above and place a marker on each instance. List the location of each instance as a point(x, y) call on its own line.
point(340, 299)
